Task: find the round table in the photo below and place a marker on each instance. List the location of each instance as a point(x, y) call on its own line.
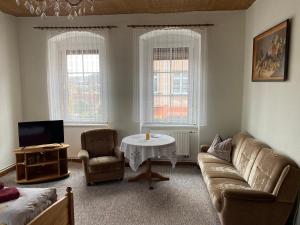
point(137, 150)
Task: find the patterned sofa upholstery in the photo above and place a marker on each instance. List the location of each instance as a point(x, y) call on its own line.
point(101, 157)
point(258, 187)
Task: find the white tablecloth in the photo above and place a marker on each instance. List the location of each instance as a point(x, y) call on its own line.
point(137, 149)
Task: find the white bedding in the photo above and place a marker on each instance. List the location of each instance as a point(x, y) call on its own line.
point(32, 202)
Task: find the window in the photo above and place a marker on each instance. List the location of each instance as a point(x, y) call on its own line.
point(169, 59)
point(170, 73)
point(83, 97)
point(77, 90)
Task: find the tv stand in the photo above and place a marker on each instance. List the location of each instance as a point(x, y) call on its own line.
point(49, 147)
point(41, 163)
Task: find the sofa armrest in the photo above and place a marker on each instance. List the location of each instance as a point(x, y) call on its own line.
point(83, 155)
point(249, 207)
point(204, 148)
point(118, 153)
point(248, 195)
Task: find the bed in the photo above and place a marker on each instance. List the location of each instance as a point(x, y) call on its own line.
point(38, 206)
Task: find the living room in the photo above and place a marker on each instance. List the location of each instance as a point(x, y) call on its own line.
point(225, 99)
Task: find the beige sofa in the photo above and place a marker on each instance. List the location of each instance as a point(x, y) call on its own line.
point(259, 187)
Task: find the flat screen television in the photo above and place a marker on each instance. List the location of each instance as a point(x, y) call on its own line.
point(41, 132)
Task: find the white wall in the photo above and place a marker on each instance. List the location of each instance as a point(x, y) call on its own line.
point(225, 62)
point(10, 100)
point(271, 109)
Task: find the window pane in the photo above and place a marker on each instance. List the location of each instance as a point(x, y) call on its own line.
point(75, 75)
point(180, 65)
point(74, 63)
point(170, 85)
point(83, 97)
point(164, 84)
point(176, 84)
point(161, 107)
point(161, 65)
point(155, 83)
point(179, 109)
point(161, 54)
point(185, 84)
point(91, 62)
point(180, 53)
point(83, 87)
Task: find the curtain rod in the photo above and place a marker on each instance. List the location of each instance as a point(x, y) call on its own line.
point(172, 25)
point(75, 28)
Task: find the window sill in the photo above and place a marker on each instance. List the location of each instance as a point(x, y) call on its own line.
point(103, 125)
point(169, 126)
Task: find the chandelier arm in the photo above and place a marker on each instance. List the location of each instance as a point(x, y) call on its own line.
point(74, 4)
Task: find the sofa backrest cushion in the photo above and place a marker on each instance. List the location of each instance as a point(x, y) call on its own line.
point(237, 141)
point(247, 155)
point(267, 169)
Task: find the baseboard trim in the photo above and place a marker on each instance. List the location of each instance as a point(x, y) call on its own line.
point(7, 170)
point(154, 162)
point(11, 168)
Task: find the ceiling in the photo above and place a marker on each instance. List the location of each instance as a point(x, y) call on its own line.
point(105, 7)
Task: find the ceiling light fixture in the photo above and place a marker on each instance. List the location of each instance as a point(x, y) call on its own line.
point(44, 8)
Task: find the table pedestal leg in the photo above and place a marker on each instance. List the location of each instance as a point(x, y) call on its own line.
point(148, 175)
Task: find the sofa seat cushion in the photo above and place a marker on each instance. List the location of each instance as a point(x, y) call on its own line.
point(204, 157)
point(104, 164)
point(219, 170)
point(216, 186)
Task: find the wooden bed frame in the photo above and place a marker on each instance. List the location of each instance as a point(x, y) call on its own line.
point(60, 213)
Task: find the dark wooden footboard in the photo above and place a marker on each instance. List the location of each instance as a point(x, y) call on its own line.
point(60, 213)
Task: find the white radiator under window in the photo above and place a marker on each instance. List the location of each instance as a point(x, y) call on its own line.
point(182, 139)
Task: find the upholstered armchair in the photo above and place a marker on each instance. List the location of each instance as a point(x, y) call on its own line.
point(101, 157)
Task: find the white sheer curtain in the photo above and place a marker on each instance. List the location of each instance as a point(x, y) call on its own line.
point(78, 76)
point(170, 84)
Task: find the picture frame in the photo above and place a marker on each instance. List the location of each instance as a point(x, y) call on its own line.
point(271, 54)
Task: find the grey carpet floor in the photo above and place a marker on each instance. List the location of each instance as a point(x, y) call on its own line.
point(183, 200)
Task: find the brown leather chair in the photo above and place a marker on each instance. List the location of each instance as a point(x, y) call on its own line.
point(101, 157)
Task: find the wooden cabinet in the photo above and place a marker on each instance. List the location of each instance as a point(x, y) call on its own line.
point(41, 163)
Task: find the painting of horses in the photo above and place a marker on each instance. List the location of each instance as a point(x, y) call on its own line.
point(270, 54)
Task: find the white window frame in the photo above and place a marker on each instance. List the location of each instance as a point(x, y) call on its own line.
point(64, 54)
point(65, 72)
point(192, 85)
point(62, 60)
point(141, 113)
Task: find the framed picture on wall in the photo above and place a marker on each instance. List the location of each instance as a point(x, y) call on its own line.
point(270, 54)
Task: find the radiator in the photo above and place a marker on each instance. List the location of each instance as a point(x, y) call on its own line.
point(182, 139)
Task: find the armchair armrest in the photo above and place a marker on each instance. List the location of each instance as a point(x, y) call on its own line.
point(118, 153)
point(83, 155)
point(248, 195)
point(204, 148)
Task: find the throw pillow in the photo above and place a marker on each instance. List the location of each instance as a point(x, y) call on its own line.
point(221, 149)
point(8, 194)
